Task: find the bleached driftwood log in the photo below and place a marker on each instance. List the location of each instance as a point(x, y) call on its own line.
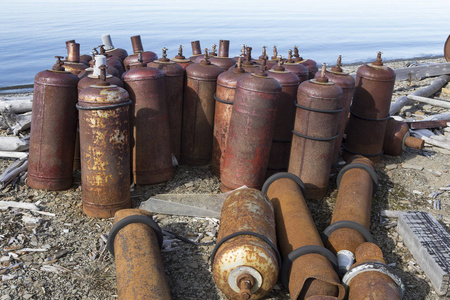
point(19, 166)
point(434, 102)
point(14, 122)
point(17, 105)
point(13, 154)
point(435, 86)
point(422, 71)
point(12, 143)
point(427, 135)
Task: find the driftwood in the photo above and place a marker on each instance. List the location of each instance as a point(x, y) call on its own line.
point(19, 166)
point(437, 117)
point(13, 154)
point(428, 124)
point(431, 101)
point(435, 86)
point(11, 204)
point(12, 143)
point(422, 71)
point(14, 122)
point(427, 135)
point(17, 105)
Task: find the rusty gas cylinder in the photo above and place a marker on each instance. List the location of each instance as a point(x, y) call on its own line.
point(350, 223)
point(53, 129)
point(180, 59)
point(284, 123)
point(310, 64)
point(109, 48)
point(226, 87)
point(196, 51)
point(245, 261)
point(112, 61)
point(94, 78)
point(211, 54)
point(347, 84)
point(397, 138)
point(249, 64)
point(151, 156)
point(147, 56)
point(251, 130)
point(173, 82)
point(371, 278)
point(198, 112)
point(447, 49)
point(135, 241)
point(222, 60)
point(319, 102)
point(110, 70)
point(308, 267)
point(105, 148)
point(273, 61)
point(72, 63)
point(369, 111)
point(298, 69)
point(85, 59)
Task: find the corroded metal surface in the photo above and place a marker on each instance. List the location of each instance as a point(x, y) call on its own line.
point(133, 59)
point(105, 150)
point(369, 111)
point(196, 51)
point(72, 64)
point(310, 64)
point(311, 274)
point(246, 210)
point(315, 132)
point(250, 132)
point(151, 156)
point(139, 266)
point(447, 49)
point(53, 130)
point(397, 137)
point(95, 80)
point(198, 113)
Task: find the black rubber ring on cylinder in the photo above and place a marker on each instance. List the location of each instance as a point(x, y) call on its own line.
point(281, 141)
point(129, 220)
point(280, 175)
point(222, 101)
point(357, 153)
point(347, 224)
point(310, 249)
point(330, 111)
point(103, 107)
point(315, 138)
point(370, 119)
point(365, 167)
point(265, 239)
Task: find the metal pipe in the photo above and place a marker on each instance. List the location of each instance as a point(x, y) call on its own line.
point(397, 138)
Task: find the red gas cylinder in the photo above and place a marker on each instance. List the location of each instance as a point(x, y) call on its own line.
point(251, 130)
point(319, 102)
point(53, 128)
point(109, 48)
point(369, 112)
point(310, 64)
point(94, 78)
point(226, 88)
point(112, 61)
point(173, 82)
point(180, 59)
point(196, 51)
point(152, 160)
point(147, 56)
point(72, 63)
point(249, 65)
point(347, 84)
point(222, 60)
point(298, 69)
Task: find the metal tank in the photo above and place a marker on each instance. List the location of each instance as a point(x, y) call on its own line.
point(53, 129)
point(245, 261)
point(251, 130)
point(110, 69)
point(212, 54)
point(198, 112)
point(112, 61)
point(249, 65)
point(196, 51)
point(319, 102)
point(397, 138)
point(225, 90)
point(310, 64)
point(147, 56)
point(94, 78)
point(284, 123)
point(72, 63)
point(180, 59)
point(105, 148)
point(369, 111)
point(347, 84)
point(308, 267)
point(298, 69)
point(109, 48)
point(151, 156)
point(222, 60)
point(135, 241)
point(173, 82)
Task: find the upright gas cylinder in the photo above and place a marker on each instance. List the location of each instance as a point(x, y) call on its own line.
point(196, 51)
point(371, 278)
point(105, 148)
point(134, 241)
point(147, 56)
point(109, 70)
point(226, 88)
point(109, 47)
point(152, 160)
point(310, 64)
point(273, 59)
point(369, 111)
point(298, 69)
point(319, 102)
point(173, 82)
point(251, 130)
point(282, 134)
point(198, 112)
point(212, 54)
point(249, 65)
point(246, 260)
point(351, 216)
point(397, 138)
point(94, 78)
point(180, 59)
point(53, 129)
point(307, 269)
point(72, 63)
point(112, 61)
point(347, 84)
point(85, 59)
point(222, 60)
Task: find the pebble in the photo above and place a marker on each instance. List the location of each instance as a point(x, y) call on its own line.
point(391, 166)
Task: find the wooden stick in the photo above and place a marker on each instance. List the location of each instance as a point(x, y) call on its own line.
point(16, 122)
point(8, 177)
point(13, 154)
point(427, 124)
point(8, 143)
point(422, 71)
point(11, 204)
point(429, 101)
point(17, 105)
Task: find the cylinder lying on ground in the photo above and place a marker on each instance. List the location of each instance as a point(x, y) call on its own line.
point(134, 241)
point(307, 266)
point(105, 148)
point(53, 129)
point(245, 259)
point(397, 138)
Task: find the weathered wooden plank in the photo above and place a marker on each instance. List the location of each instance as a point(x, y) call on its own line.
point(429, 101)
point(422, 71)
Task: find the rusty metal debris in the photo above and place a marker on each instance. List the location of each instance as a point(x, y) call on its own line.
point(397, 138)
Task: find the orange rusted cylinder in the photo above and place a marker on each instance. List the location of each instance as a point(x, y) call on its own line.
point(371, 278)
point(350, 223)
point(397, 138)
point(312, 273)
point(139, 266)
point(246, 260)
point(72, 63)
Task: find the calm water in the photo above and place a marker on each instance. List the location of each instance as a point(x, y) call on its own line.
point(32, 32)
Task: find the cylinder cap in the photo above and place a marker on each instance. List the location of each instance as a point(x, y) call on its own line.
point(337, 68)
point(379, 61)
point(100, 60)
point(180, 53)
point(275, 53)
point(106, 40)
point(323, 78)
point(205, 61)
point(164, 55)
